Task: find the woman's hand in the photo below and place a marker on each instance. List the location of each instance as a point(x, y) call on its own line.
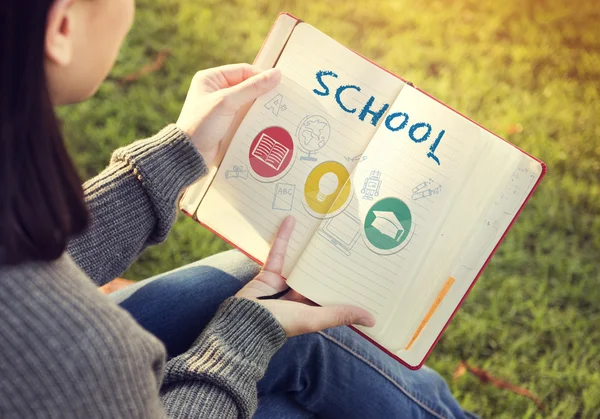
point(296, 314)
point(215, 96)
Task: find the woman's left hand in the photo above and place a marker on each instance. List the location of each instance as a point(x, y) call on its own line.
point(296, 314)
point(214, 97)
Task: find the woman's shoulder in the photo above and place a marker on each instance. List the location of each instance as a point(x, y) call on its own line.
point(54, 304)
point(60, 297)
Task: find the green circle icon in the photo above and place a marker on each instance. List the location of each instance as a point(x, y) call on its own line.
point(387, 225)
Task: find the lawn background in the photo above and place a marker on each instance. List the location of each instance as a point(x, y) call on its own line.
point(527, 70)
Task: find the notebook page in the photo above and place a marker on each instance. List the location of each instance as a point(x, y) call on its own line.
point(259, 183)
point(509, 176)
point(490, 169)
point(400, 197)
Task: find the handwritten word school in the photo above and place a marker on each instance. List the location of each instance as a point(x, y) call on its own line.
point(418, 132)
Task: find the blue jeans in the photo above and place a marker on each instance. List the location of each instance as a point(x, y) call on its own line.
point(331, 374)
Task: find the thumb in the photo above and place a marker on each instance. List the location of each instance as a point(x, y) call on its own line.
point(251, 88)
point(341, 315)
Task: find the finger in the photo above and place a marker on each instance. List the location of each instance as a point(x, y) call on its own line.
point(231, 74)
point(341, 315)
point(251, 88)
point(273, 280)
point(276, 258)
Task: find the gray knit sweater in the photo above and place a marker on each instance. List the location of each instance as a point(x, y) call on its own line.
point(67, 351)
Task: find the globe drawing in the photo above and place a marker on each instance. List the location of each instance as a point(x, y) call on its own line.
point(313, 133)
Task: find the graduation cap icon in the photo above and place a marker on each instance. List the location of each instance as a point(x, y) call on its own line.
point(388, 224)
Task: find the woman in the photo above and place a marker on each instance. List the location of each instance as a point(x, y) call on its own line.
point(66, 351)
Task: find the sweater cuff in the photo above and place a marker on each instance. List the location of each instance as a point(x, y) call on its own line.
point(231, 354)
point(248, 328)
point(165, 163)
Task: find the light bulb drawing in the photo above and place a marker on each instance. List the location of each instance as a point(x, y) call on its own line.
point(327, 185)
point(327, 189)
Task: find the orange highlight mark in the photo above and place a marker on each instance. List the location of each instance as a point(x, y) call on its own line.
point(432, 309)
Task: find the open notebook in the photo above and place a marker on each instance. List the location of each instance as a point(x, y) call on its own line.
point(399, 200)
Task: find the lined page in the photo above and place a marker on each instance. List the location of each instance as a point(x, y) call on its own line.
point(507, 176)
point(459, 209)
point(337, 270)
point(247, 206)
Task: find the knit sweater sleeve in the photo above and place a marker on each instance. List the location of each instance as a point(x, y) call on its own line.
point(132, 203)
point(69, 352)
point(217, 377)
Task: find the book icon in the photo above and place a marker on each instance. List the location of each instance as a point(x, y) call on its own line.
point(270, 151)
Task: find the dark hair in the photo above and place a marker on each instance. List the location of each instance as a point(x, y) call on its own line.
point(41, 198)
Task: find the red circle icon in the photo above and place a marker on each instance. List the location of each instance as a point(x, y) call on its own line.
point(271, 152)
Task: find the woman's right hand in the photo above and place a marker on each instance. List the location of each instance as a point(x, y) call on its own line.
point(296, 314)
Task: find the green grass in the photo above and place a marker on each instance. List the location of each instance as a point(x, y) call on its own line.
point(533, 318)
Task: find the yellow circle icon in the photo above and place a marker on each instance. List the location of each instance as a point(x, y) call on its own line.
point(327, 187)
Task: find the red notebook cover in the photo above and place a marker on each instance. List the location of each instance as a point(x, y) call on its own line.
point(518, 212)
